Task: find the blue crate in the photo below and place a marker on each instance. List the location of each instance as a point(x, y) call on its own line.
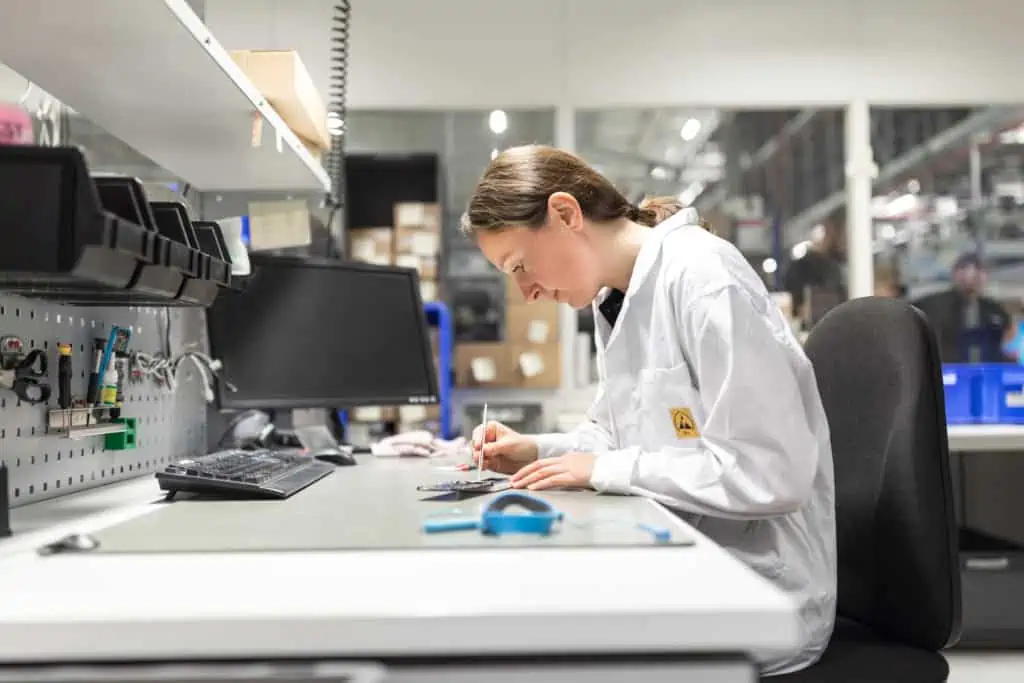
point(989, 393)
point(962, 386)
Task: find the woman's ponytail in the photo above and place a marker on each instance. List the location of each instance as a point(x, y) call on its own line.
point(654, 210)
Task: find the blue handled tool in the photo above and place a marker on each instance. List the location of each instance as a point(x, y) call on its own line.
point(538, 517)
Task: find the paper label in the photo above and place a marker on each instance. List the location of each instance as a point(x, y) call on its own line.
point(428, 290)
point(537, 332)
point(483, 369)
point(531, 364)
point(407, 261)
point(275, 225)
point(411, 214)
point(424, 244)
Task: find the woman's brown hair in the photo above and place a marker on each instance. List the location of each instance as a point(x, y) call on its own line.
point(514, 190)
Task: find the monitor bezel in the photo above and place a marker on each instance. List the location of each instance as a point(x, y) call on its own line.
point(227, 400)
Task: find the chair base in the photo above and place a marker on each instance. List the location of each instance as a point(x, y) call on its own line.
point(855, 656)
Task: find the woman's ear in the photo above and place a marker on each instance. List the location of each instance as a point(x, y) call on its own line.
point(567, 209)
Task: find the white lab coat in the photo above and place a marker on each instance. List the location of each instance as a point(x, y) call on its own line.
point(708, 404)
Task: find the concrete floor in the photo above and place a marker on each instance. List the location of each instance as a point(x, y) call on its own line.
point(986, 667)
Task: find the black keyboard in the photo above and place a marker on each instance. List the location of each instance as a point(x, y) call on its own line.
point(245, 474)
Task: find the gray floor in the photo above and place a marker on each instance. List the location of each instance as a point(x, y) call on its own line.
point(982, 667)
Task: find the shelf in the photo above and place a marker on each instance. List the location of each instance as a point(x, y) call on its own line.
point(985, 438)
point(150, 73)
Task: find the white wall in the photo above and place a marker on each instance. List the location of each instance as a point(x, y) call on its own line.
point(744, 53)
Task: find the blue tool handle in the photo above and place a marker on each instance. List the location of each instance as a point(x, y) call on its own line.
point(661, 535)
point(434, 526)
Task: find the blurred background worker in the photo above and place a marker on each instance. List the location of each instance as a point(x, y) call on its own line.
point(816, 280)
point(888, 282)
point(970, 327)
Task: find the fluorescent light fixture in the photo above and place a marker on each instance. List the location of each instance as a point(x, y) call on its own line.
point(770, 265)
point(689, 130)
point(914, 186)
point(498, 121)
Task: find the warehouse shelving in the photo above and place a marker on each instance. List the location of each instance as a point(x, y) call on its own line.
point(150, 73)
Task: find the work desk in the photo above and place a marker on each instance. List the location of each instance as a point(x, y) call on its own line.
point(985, 438)
point(403, 596)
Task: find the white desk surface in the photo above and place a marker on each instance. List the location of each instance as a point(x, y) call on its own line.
point(985, 438)
point(368, 603)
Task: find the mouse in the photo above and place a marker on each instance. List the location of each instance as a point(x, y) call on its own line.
point(72, 543)
point(335, 456)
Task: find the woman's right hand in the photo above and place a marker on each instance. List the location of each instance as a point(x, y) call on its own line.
point(506, 450)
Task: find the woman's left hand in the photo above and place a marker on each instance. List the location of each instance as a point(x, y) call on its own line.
point(571, 470)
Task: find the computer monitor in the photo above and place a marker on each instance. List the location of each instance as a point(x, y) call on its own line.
point(318, 333)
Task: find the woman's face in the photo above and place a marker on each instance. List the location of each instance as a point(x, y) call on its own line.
point(556, 261)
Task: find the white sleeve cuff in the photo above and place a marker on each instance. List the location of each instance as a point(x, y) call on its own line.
point(554, 444)
point(613, 470)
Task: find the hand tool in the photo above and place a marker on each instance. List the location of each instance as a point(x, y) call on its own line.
point(27, 377)
point(483, 442)
point(64, 375)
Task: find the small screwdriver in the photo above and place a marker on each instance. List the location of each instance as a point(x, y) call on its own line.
point(64, 375)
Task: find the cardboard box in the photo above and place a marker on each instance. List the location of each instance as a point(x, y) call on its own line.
point(426, 266)
point(535, 323)
point(372, 245)
point(370, 414)
point(483, 364)
point(417, 240)
point(426, 217)
point(537, 366)
point(283, 80)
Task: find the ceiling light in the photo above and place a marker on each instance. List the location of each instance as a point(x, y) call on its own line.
point(770, 265)
point(690, 129)
point(494, 154)
point(800, 250)
point(660, 173)
point(498, 121)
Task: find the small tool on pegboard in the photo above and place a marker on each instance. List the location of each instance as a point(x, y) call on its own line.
point(5, 503)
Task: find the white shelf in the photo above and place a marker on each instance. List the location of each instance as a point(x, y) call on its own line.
point(150, 73)
point(985, 438)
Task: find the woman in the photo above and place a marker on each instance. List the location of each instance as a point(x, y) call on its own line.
point(706, 404)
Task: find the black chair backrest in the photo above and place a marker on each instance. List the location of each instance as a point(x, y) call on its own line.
point(880, 378)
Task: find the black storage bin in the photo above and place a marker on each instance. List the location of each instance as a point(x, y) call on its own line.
point(174, 223)
point(57, 241)
point(89, 240)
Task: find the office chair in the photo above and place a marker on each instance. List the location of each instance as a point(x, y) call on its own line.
point(878, 371)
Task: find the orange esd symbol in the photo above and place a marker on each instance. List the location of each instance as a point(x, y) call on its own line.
point(684, 424)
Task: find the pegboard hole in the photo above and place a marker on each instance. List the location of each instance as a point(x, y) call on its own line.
point(46, 344)
point(32, 460)
point(31, 489)
point(18, 432)
point(18, 463)
point(17, 492)
point(17, 312)
point(31, 315)
point(46, 457)
point(46, 486)
point(58, 455)
point(33, 431)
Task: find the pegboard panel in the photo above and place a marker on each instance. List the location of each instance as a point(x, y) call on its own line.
point(170, 426)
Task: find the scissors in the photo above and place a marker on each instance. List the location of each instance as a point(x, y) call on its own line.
point(27, 377)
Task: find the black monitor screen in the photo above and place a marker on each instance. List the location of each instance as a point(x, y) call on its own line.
point(319, 333)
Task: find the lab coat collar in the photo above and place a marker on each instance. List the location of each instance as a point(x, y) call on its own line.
point(644, 265)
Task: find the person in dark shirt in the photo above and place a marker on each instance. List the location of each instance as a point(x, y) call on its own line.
point(816, 281)
point(970, 327)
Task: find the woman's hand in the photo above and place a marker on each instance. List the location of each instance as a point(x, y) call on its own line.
point(572, 470)
point(506, 450)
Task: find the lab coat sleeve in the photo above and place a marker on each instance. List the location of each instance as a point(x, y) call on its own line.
point(590, 436)
point(757, 454)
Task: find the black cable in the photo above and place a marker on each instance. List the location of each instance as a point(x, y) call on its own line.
point(338, 107)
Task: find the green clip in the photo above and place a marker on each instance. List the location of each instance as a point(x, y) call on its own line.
point(121, 441)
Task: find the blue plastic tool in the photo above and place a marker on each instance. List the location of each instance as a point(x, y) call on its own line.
point(537, 517)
